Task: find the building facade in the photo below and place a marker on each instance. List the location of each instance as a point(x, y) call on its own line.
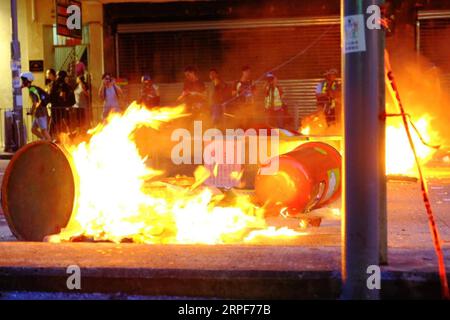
point(129, 39)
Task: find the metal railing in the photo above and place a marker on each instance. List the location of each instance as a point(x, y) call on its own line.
point(92, 117)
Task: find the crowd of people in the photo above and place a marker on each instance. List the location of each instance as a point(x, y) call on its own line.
point(235, 101)
point(69, 105)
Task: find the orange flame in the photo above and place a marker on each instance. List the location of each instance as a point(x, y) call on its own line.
point(399, 156)
point(120, 198)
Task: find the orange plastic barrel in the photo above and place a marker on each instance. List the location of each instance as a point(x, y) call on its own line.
point(308, 177)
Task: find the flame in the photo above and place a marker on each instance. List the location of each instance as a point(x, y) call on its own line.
point(306, 130)
point(303, 224)
point(237, 175)
point(315, 123)
point(399, 156)
point(120, 198)
point(336, 212)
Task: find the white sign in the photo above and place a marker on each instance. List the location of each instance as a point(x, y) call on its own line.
point(15, 65)
point(355, 38)
point(19, 101)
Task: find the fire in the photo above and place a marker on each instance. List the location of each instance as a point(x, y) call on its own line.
point(306, 130)
point(315, 123)
point(237, 175)
point(399, 155)
point(120, 198)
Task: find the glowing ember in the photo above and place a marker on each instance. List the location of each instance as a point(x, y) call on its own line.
point(119, 197)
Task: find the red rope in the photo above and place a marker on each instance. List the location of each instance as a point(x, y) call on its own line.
point(425, 195)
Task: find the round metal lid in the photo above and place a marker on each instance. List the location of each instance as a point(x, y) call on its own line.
point(38, 191)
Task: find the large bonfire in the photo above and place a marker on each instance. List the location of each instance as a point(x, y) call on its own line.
point(120, 198)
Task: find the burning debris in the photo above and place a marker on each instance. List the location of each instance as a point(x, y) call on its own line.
point(309, 177)
point(119, 197)
point(399, 157)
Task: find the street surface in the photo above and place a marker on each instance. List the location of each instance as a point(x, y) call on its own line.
point(407, 219)
point(119, 271)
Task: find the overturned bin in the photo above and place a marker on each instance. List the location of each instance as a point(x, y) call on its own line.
point(38, 191)
point(307, 178)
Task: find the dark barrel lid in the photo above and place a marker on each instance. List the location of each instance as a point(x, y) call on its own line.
point(38, 191)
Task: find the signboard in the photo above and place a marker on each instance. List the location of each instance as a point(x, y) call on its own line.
point(355, 39)
point(68, 18)
point(36, 65)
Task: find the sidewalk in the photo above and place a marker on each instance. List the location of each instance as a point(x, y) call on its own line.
point(238, 272)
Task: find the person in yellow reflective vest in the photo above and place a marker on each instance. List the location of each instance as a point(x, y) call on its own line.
point(328, 93)
point(273, 102)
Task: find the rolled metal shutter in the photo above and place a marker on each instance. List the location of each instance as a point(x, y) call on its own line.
point(433, 30)
point(164, 49)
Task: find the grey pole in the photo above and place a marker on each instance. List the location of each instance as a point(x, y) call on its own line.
point(16, 83)
point(383, 223)
point(363, 67)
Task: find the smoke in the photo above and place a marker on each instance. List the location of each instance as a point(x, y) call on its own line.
point(420, 82)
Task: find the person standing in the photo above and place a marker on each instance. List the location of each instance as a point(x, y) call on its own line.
point(194, 92)
point(245, 89)
point(50, 78)
point(328, 93)
point(80, 68)
point(62, 99)
point(39, 99)
point(221, 94)
point(244, 92)
point(110, 93)
point(149, 96)
point(82, 102)
point(273, 102)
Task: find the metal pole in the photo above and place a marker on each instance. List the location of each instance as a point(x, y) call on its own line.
point(17, 91)
point(363, 67)
point(383, 236)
